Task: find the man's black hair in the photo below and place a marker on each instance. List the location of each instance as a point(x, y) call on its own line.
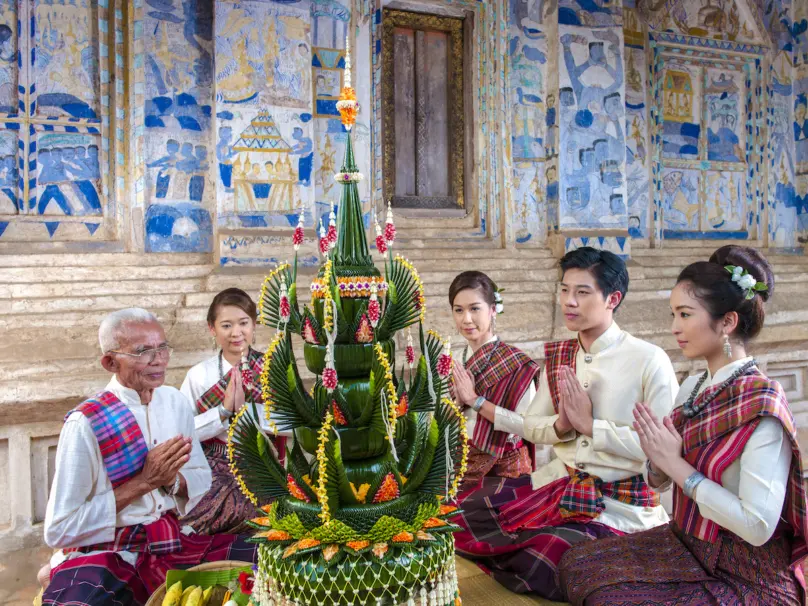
point(609, 270)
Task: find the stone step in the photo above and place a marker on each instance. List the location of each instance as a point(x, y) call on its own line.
point(23, 275)
point(407, 220)
point(430, 254)
point(103, 260)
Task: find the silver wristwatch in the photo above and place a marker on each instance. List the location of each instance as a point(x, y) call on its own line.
point(223, 412)
point(478, 403)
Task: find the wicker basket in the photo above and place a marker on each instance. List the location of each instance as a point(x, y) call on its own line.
point(157, 597)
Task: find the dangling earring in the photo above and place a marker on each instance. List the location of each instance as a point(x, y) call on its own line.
point(214, 343)
point(727, 347)
point(494, 325)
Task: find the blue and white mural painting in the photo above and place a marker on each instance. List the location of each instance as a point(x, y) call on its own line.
point(723, 97)
point(179, 122)
point(592, 128)
point(681, 111)
point(725, 196)
point(9, 196)
point(527, 51)
point(68, 175)
point(680, 199)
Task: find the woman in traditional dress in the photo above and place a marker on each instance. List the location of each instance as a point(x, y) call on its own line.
point(730, 450)
point(216, 394)
point(491, 372)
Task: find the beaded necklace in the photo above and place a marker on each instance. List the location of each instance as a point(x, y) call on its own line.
point(688, 407)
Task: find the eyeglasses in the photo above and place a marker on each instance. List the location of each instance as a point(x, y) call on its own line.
point(147, 356)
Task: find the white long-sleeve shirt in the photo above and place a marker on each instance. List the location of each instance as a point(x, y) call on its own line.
point(199, 379)
point(749, 500)
point(81, 507)
point(617, 372)
point(209, 424)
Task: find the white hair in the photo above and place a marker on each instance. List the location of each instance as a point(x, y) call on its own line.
point(112, 326)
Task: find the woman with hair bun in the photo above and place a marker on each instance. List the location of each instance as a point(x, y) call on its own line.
point(493, 380)
point(730, 451)
point(215, 394)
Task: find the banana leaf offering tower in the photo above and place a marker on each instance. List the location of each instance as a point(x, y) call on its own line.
point(360, 505)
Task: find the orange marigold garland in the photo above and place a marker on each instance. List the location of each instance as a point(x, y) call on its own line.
point(295, 490)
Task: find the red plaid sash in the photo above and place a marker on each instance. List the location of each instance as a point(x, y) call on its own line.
point(160, 537)
point(120, 440)
point(716, 437)
point(557, 355)
point(576, 498)
point(215, 395)
point(503, 379)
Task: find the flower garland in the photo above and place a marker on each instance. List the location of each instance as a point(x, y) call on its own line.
point(419, 297)
point(328, 312)
point(410, 351)
point(353, 286)
point(266, 393)
point(322, 493)
point(348, 177)
point(297, 236)
point(231, 456)
point(464, 459)
point(265, 288)
point(392, 396)
point(374, 309)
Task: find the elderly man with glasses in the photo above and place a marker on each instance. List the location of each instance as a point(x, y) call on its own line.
point(127, 460)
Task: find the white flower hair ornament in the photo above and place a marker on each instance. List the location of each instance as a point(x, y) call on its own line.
point(746, 281)
point(499, 307)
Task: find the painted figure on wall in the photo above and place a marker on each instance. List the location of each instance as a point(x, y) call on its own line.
point(801, 131)
point(724, 127)
point(680, 199)
point(263, 55)
point(592, 130)
point(66, 59)
point(681, 106)
point(528, 60)
point(68, 174)
point(724, 201)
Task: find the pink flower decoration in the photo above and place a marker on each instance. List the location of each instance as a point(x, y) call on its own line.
point(374, 312)
point(285, 308)
point(410, 353)
point(330, 379)
point(445, 363)
point(297, 238)
point(324, 246)
point(389, 232)
point(332, 234)
point(381, 244)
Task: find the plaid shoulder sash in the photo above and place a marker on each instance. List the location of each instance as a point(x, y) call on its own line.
point(215, 395)
point(502, 374)
point(120, 440)
point(557, 355)
point(716, 437)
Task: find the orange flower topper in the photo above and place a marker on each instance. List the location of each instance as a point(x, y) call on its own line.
point(347, 105)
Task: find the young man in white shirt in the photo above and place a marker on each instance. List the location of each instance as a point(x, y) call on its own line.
point(127, 459)
point(584, 410)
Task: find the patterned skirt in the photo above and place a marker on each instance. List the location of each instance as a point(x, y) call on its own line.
point(524, 561)
point(224, 509)
point(512, 464)
point(666, 567)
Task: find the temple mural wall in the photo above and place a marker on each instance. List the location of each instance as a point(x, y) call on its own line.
point(589, 120)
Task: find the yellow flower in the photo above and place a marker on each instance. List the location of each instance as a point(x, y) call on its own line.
point(464, 459)
point(322, 480)
point(392, 396)
point(266, 392)
point(231, 456)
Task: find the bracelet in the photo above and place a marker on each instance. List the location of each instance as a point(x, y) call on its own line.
point(693, 480)
point(478, 403)
point(224, 412)
point(652, 472)
point(175, 487)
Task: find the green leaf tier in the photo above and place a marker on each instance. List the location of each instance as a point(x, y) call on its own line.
point(359, 511)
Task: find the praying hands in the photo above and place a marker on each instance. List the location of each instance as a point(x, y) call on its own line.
point(575, 407)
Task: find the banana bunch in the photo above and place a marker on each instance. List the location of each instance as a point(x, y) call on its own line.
point(190, 596)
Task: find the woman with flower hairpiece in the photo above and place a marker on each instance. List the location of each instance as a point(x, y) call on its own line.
point(730, 451)
point(494, 379)
point(216, 394)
